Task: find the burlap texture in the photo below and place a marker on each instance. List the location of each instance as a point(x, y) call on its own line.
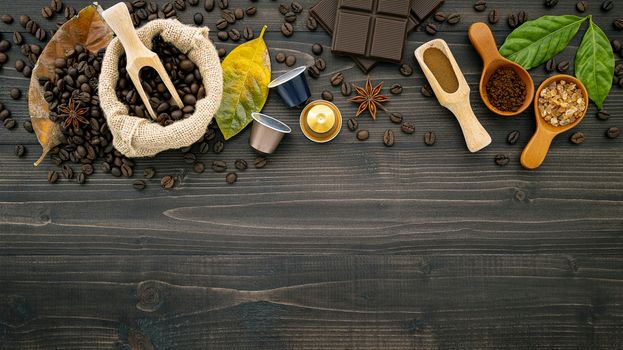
point(139, 137)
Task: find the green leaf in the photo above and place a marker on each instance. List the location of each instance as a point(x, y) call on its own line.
point(535, 42)
point(594, 64)
point(246, 74)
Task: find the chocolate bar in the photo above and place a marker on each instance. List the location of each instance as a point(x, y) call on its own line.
point(325, 12)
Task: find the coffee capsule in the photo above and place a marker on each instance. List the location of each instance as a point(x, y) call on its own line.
point(266, 133)
point(292, 87)
point(321, 121)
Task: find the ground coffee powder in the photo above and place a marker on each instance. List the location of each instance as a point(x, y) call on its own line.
point(440, 66)
point(505, 90)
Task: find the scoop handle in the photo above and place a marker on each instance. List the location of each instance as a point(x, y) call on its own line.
point(483, 41)
point(118, 19)
point(476, 136)
point(536, 150)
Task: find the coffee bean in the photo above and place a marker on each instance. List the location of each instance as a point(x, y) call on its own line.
point(502, 159)
point(312, 24)
point(229, 16)
point(23, 20)
point(222, 4)
point(290, 60)
point(551, 3)
point(251, 11)
point(191, 2)
point(407, 127)
point(105, 167)
point(618, 24)
point(9, 123)
point(28, 126)
point(494, 16)
point(52, 177)
point(439, 17)
point(603, 115)
point(430, 138)
point(231, 178)
point(198, 18)
point(238, 13)
point(87, 169)
point(222, 35)
point(290, 17)
point(5, 46)
point(522, 17)
point(563, 66)
point(286, 29)
point(149, 173)
point(167, 182)
point(613, 132)
point(296, 7)
point(189, 158)
point(280, 57)
point(208, 5)
point(139, 185)
point(427, 91)
point(480, 5)
point(395, 117)
point(222, 52)
point(512, 21)
point(313, 71)
point(512, 137)
point(320, 64)
point(396, 89)
point(581, 6)
point(389, 138)
point(241, 164)
point(406, 69)
point(20, 151)
point(454, 18)
point(430, 29)
point(336, 79)
point(68, 171)
point(283, 9)
point(219, 146)
point(234, 35)
point(221, 24)
point(550, 66)
point(3, 58)
point(327, 95)
point(199, 167)
point(346, 89)
point(46, 12)
point(363, 135)
point(126, 170)
point(219, 166)
point(18, 39)
point(247, 33)
point(577, 138)
point(7, 19)
point(81, 178)
point(16, 93)
point(616, 45)
point(352, 124)
point(260, 162)
point(317, 49)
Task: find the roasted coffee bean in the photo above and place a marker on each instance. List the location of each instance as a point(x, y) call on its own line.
point(208, 5)
point(5, 46)
point(563, 66)
point(389, 138)
point(290, 60)
point(336, 79)
point(241, 164)
point(313, 71)
point(284, 8)
point(46, 12)
point(126, 170)
point(139, 185)
point(222, 4)
point(260, 162)
point(198, 18)
point(149, 173)
point(20, 151)
point(502, 159)
point(7, 19)
point(81, 178)
point(431, 29)
point(222, 35)
point(52, 177)
point(296, 7)
point(189, 158)
point(199, 167)
point(280, 57)
point(320, 64)
point(406, 69)
point(234, 35)
point(407, 127)
point(167, 182)
point(251, 11)
point(238, 13)
point(395, 89)
point(395, 117)
point(231, 178)
point(494, 16)
point(290, 17)
point(480, 5)
point(427, 91)
point(454, 18)
point(550, 66)
point(512, 137)
point(70, 12)
point(317, 49)
point(219, 166)
point(221, 24)
point(603, 115)
point(247, 33)
point(522, 17)
point(312, 24)
point(581, 6)
point(222, 52)
point(28, 126)
point(9, 123)
point(613, 132)
point(3, 58)
point(327, 95)
point(346, 89)
point(439, 17)
point(286, 29)
point(23, 20)
point(229, 16)
point(363, 135)
point(15, 93)
point(616, 45)
point(18, 39)
point(577, 138)
point(352, 124)
point(618, 24)
point(219, 146)
point(512, 21)
point(68, 171)
point(105, 167)
point(607, 5)
point(430, 138)
point(87, 169)
point(551, 3)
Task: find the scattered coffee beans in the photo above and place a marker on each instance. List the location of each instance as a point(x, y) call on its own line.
point(502, 159)
point(317, 49)
point(260, 162)
point(613, 132)
point(395, 117)
point(231, 178)
point(406, 69)
point(430, 138)
point(352, 124)
point(167, 182)
point(577, 138)
point(407, 127)
point(363, 135)
point(389, 138)
point(512, 137)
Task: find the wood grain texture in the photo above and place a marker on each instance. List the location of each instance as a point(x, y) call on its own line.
point(347, 245)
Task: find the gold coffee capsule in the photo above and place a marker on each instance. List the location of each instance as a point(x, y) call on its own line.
point(321, 121)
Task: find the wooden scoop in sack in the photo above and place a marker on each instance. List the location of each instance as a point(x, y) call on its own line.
point(137, 54)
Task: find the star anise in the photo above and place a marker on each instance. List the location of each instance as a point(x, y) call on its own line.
point(369, 98)
point(72, 114)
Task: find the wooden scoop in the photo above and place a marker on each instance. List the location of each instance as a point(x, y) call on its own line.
point(535, 152)
point(476, 137)
point(138, 55)
point(483, 41)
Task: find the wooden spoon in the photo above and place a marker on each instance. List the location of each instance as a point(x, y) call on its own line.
point(483, 41)
point(476, 137)
point(535, 152)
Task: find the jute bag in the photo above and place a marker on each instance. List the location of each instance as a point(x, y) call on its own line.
point(140, 137)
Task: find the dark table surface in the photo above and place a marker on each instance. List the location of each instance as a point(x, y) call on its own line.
point(347, 245)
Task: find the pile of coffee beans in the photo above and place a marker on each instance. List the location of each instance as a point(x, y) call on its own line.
point(289, 13)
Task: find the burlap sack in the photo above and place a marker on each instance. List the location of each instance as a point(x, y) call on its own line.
point(139, 137)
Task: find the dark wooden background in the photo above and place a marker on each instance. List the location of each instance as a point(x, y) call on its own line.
point(346, 245)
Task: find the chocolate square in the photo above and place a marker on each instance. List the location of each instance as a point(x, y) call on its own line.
point(393, 45)
point(393, 7)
